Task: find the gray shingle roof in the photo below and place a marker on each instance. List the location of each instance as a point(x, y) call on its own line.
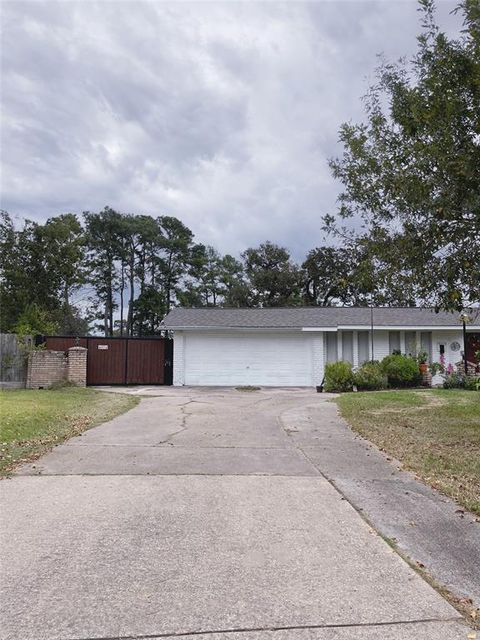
point(308, 317)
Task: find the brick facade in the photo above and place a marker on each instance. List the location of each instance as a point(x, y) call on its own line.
point(47, 367)
point(77, 366)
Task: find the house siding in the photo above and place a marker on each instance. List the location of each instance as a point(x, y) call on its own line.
point(451, 357)
point(381, 345)
point(316, 346)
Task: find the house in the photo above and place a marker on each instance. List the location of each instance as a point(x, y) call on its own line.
point(290, 346)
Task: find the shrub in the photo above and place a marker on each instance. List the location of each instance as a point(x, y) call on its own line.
point(460, 381)
point(401, 371)
point(370, 377)
point(436, 367)
point(338, 376)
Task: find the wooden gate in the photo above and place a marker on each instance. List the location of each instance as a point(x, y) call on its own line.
point(122, 360)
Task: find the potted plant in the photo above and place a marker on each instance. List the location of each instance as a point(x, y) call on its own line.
point(422, 359)
point(436, 367)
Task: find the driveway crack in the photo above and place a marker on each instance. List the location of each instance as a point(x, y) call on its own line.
point(183, 423)
point(346, 625)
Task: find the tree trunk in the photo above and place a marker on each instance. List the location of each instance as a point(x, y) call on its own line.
point(132, 295)
point(122, 287)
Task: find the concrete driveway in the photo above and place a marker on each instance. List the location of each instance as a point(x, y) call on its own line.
point(203, 513)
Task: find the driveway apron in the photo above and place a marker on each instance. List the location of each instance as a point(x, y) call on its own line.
point(202, 513)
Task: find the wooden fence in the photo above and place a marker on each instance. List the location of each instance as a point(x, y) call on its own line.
point(13, 362)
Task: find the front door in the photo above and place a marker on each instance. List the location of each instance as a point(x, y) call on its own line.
point(473, 345)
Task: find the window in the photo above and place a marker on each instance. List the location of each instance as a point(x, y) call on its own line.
point(347, 346)
point(426, 343)
point(394, 341)
point(331, 342)
point(411, 343)
point(362, 339)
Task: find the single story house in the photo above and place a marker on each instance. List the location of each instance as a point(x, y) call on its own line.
point(290, 346)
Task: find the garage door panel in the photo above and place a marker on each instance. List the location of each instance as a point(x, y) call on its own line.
point(236, 359)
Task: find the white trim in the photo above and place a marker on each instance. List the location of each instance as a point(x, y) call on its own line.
point(343, 327)
point(403, 327)
point(239, 329)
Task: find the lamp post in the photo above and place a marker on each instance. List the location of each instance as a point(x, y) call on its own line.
point(464, 318)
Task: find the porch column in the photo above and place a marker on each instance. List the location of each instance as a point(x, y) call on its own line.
point(355, 349)
point(403, 347)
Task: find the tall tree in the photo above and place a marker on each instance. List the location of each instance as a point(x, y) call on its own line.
point(273, 278)
point(41, 266)
point(411, 172)
point(236, 292)
point(176, 241)
point(329, 277)
point(63, 240)
point(205, 287)
point(350, 275)
point(14, 283)
point(103, 233)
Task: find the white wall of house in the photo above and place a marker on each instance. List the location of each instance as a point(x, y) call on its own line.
point(287, 358)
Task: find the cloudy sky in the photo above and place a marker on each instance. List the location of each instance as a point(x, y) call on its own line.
point(222, 113)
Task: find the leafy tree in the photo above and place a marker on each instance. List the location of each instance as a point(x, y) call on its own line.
point(103, 233)
point(349, 275)
point(175, 245)
point(329, 276)
point(148, 311)
point(274, 280)
point(35, 321)
point(137, 233)
point(14, 286)
point(41, 265)
point(411, 172)
point(236, 292)
point(63, 240)
point(206, 288)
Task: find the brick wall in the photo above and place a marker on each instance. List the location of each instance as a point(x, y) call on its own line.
point(318, 358)
point(77, 366)
point(47, 367)
point(178, 359)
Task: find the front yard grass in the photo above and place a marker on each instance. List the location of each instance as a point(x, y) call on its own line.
point(435, 434)
point(32, 422)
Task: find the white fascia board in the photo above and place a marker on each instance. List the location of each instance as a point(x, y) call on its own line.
point(402, 327)
point(239, 329)
point(351, 327)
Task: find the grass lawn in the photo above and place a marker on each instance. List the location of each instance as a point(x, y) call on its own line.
point(32, 422)
point(434, 433)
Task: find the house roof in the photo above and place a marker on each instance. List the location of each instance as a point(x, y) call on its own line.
point(309, 317)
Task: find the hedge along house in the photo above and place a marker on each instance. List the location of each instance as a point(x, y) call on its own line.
point(289, 347)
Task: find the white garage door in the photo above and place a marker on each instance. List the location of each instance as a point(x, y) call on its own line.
point(277, 359)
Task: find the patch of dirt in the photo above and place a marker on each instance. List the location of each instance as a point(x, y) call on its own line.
point(430, 401)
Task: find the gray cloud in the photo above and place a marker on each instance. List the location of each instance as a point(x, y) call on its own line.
point(223, 114)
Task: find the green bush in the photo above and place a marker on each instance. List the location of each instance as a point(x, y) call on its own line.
point(401, 371)
point(338, 376)
point(460, 381)
point(370, 377)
